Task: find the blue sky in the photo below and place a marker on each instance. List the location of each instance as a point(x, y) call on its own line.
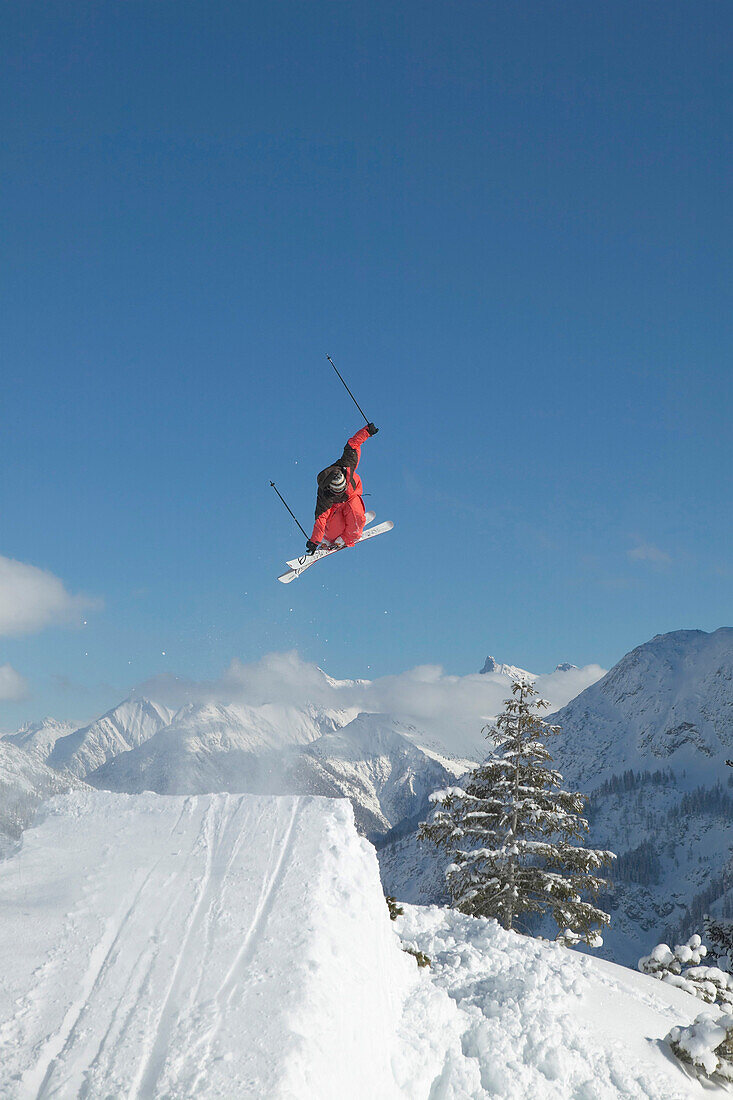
point(509, 223)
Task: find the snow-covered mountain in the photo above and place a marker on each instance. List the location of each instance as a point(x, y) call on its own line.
point(39, 738)
point(513, 672)
point(510, 671)
point(648, 743)
point(370, 760)
point(374, 762)
point(144, 744)
point(119, 730)
point(25, 782)
point(667, 703)
point(276, 748)
point(210, 746)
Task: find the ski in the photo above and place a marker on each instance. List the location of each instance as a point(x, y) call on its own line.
point(310, 559)
point(298, 561)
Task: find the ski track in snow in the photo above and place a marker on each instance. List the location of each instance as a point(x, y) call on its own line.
point(278, 854)
point(145, 1000)
point(219, 946)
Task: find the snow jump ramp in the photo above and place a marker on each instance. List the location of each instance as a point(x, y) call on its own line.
point(212, 946)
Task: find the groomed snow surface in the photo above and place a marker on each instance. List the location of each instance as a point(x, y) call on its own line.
point(239, 946)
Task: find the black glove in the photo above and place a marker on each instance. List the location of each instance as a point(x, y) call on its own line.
point(311, 547)
point(371, 429)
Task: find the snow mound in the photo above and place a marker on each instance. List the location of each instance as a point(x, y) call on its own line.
point(545, 1022)
point(211, 946)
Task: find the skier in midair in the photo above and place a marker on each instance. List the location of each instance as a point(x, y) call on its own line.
point(340, 510)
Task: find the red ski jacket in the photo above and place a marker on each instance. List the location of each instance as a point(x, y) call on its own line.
point(342, 515)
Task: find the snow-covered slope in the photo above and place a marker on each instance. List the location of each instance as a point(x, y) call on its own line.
point(667, 702)
point(127, 725)
point(648, 742)
point(24, 783)
point(39, 738)
point(370, 760)
point(413, 870)
point(540, 1021)
point(236, 946)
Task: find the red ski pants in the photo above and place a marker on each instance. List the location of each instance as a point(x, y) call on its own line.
point(346, 521)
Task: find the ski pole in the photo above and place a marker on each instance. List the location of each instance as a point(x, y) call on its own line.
point(285, 503)
point(338, 372)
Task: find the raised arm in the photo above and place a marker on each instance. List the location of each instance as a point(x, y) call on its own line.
point(352, 450)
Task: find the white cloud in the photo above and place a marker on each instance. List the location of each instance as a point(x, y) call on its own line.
point(12, 685)
point(450, 710)
point(32, 598)
point(645, 551)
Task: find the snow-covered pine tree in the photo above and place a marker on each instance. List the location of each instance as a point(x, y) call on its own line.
point(681, 966)
point(511, 831)
point(706, 1044)
point(719, 934)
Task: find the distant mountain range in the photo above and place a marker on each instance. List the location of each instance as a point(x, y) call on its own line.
point(385, 766)
point(515, 673)
point(39, 738)
point(142, 744)
point(647, 743)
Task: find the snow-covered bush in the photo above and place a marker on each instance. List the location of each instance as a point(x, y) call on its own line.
point(512, 829)
point(681, 967)
point(395, 909)
point(420, 956)
point(707, 1044)
point(568, 938)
